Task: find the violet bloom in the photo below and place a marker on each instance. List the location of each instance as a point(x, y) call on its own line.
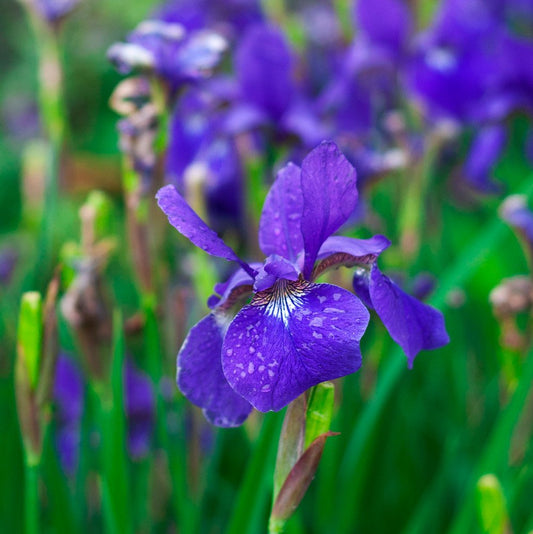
point(267, 93)
point(140, 406)
point(294, 333)
point(198, 153)
point(68, 397)
point(168, 51)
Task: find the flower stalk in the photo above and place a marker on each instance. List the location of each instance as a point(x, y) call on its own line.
point(302, 439)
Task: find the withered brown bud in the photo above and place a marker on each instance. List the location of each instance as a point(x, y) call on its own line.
point(85, 309)
point(513, 296)
point(130, 95)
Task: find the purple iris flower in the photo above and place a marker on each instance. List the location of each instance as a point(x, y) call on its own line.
point(68, 396)
point(140, 410)
point(267, 93)
point(196, 146)
point(169, 51)
point(294, 333)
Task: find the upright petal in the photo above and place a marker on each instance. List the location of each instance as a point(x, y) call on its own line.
point(483, 156)
point(290, 338)
point(200, 377)
point(187, 222)
point(385, 22)
point(413, 325)
point(279, 227)
point(264, 65)
point(329, 195)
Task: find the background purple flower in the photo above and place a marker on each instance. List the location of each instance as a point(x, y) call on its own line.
point(140, 410)
point(69, 400)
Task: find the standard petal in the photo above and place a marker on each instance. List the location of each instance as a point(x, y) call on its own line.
point(264, 69)
point(200, 377)
point(484, 153)
point(279, 227)
point(290, 338)
point(413, 325)
point(329, 194)
point(187, 222)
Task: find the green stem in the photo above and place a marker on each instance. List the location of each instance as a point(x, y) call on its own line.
point(54, 118)
point(412, 212)
point(256, 483)
point(31, 498)
point(176, 452)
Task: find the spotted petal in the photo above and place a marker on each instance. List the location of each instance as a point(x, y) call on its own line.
point(330, 196)
point(187, 222)
point(413, 325)
point(290, 338)
point(200, 377)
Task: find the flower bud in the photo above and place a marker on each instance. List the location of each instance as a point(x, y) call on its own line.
point(492, 508)
point(29, 342)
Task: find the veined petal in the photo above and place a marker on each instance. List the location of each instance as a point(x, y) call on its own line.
point(187, 222)
point(348, 251)
point(290, 338)
point(279, 227)
point(329, 194)
point(413, 325)
point(200, 377)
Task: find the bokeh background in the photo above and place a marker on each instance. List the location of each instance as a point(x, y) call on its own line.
point(433, 110)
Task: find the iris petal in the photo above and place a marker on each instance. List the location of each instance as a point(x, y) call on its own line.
point(330, 195)
point(279, 227)
point(413, 325)
point(187, 222)
point(200, 377)
point(290, 338)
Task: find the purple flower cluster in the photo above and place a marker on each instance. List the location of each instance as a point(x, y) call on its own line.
point(468, 67)
point(294, 333)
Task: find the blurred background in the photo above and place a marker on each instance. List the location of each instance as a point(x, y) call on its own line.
point(431, 102)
